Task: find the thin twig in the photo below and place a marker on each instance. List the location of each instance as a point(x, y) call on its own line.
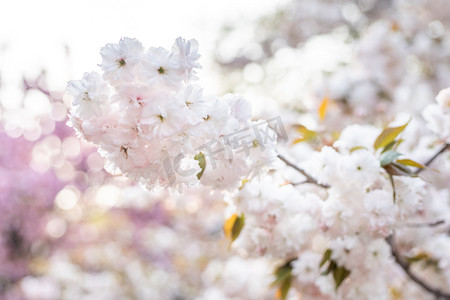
point(36, 85)
point(430, 224)
point(309, 179)
point(406, 267)
point(445, 147)
point(394, 195)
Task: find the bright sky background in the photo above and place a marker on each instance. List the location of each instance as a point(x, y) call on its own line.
point(34, 34)
point(64, 38)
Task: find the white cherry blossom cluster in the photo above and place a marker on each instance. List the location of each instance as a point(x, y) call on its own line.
point(152, 123)
point(337, 234)
point(352, 211)
point(385, 235)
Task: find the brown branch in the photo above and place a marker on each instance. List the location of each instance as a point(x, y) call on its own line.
point(406, 267)
point(445, 147)
point(309, 179)
point(429, 224)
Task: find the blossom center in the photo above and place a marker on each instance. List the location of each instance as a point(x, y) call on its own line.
point(125, 151)
point(161, 70)
point(121, 62)
point(86, 97)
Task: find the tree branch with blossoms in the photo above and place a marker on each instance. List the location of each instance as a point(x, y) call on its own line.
point(406, 267)
point(397, 255)
point(309, 179)
point(438, 153)
point(152, 123)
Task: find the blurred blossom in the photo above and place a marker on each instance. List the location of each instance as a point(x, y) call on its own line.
point(43, 173)
point(26, 205)
point(382, 56)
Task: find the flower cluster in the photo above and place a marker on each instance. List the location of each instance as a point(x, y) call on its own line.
point(369, 207)
point(153, 124)
point(334, 234)
point(339, 222)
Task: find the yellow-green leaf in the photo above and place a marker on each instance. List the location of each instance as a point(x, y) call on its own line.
point(326, 257)
point(388, 135)
point(282, 274)
point(357, 148)
point(244, 181)
point(200, 157)
point(233, 226)
point(283, 271)
point(395, 293)
point(409, 162)
point(228, 225)
point(323, 108)
point(283, 289)
point(418, 257)
point(389, 146)
point(393, 145)
point(305, 134)
point(283, 278)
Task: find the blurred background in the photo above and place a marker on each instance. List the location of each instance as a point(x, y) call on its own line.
point(69, 230)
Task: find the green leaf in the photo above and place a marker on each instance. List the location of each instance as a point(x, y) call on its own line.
point(409, 162)
point(339, 272)
point(389, 146)
point(283, 278)
point(392, 145)
point(331, 267)
point(283, 290)
point(200, 157)
point(434, 263)
point(237, 227)
point(326, 257)
point(388, 157)
point(418, 257)
point(388, 135)
point(282, 273)
point(339, 275)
